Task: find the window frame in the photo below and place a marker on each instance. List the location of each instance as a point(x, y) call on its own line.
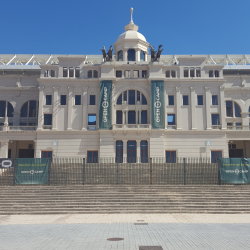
point(170, 158)
point(200, 102)
point(47, 102)
point(91, 102)
point(65, 101)
point(92, 158)
point(215, 158)
point(78, 100)
point(183, 100)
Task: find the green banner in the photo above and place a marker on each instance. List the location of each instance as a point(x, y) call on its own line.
point(32, 171)
point(157, 105)
point(234, 170)
point(105, 105)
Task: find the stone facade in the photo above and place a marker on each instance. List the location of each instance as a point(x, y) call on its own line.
point(62, 96)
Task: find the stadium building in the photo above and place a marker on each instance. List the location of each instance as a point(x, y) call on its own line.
point(131, 103)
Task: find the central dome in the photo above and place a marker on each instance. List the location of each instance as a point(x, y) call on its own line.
point(131, 34)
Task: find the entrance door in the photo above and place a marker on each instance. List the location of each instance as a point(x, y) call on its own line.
point(26, 153)
point(236, 153)
point(131, 151)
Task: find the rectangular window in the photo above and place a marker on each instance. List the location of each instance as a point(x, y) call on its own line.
point(119, 151)
point(144, 117)
point(214, 100)
point(170, 156)
point(200, 99)
point(168, 73)
point(171, 119)
point(92, 100)
point(131, 117)
point(136, 73)
point(118, 117)
point(127, 73)
point(65, 72)
point(77, 72)
point(71, 72)
point(238, 126)
point(92, 156)
point(198, 72)
point(215, 119)
point(229, 108)
point(47, 119)
point(215, 156)
point(48, 99)
point(118, 73)
point(91, 119)
point(191, 72)
point(46, 154)
point(170, 100)
point(63, 99)
point(131, 97)
point(185, 100)
point(77, 99)
point(230, 125)
point(46, 73)
point(185, 72)
point(144, 74)
point(52, 73)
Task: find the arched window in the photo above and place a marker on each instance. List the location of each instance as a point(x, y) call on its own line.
point(142, 55)
point(131, 55)
point(10, 109)
point(95, 74)
point(167, 73)
point(216, 73)
point(29, 109)
point(120, 55)
point(211, 73)
point(232, 109)
point(173, 74)
point(133, 97)
point(90, 74)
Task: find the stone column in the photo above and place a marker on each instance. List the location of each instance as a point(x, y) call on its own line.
point(40, 111)
point(178, 107)
point(4, 145)
point(137, 55)
point(193, 102)
point(123, 117)
point(125, 55)
point(125, 151)
point(84, 108)
point(208, 103)
point(55, 108)
point(70, 107)
point(138, 151)
point(146, 55)
point(222, 108)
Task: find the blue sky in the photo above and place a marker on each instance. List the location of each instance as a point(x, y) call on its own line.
point(82, 27)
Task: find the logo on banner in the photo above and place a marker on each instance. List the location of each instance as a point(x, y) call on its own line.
point(105, 105)
point(157, 105)
point(6, 163)
point(236, 171)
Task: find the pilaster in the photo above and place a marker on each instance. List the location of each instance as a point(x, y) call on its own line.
point(222, 108)
point(178, 107)
point(70, 107)
point(193, 102)
point(40, 113)
point(55, 108)
point(208, 112)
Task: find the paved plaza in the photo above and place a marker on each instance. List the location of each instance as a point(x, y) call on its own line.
point(91, 231)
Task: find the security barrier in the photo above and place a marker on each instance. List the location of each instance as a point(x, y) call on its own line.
point(115, 171)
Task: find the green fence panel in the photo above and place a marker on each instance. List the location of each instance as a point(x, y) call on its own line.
point(32, 171)
point(234, 170)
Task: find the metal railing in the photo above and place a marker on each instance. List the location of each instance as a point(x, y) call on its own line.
point(131, 126)
point(127, 171)
point(22, 128)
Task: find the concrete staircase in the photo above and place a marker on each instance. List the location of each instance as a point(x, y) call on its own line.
point(124, 199)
